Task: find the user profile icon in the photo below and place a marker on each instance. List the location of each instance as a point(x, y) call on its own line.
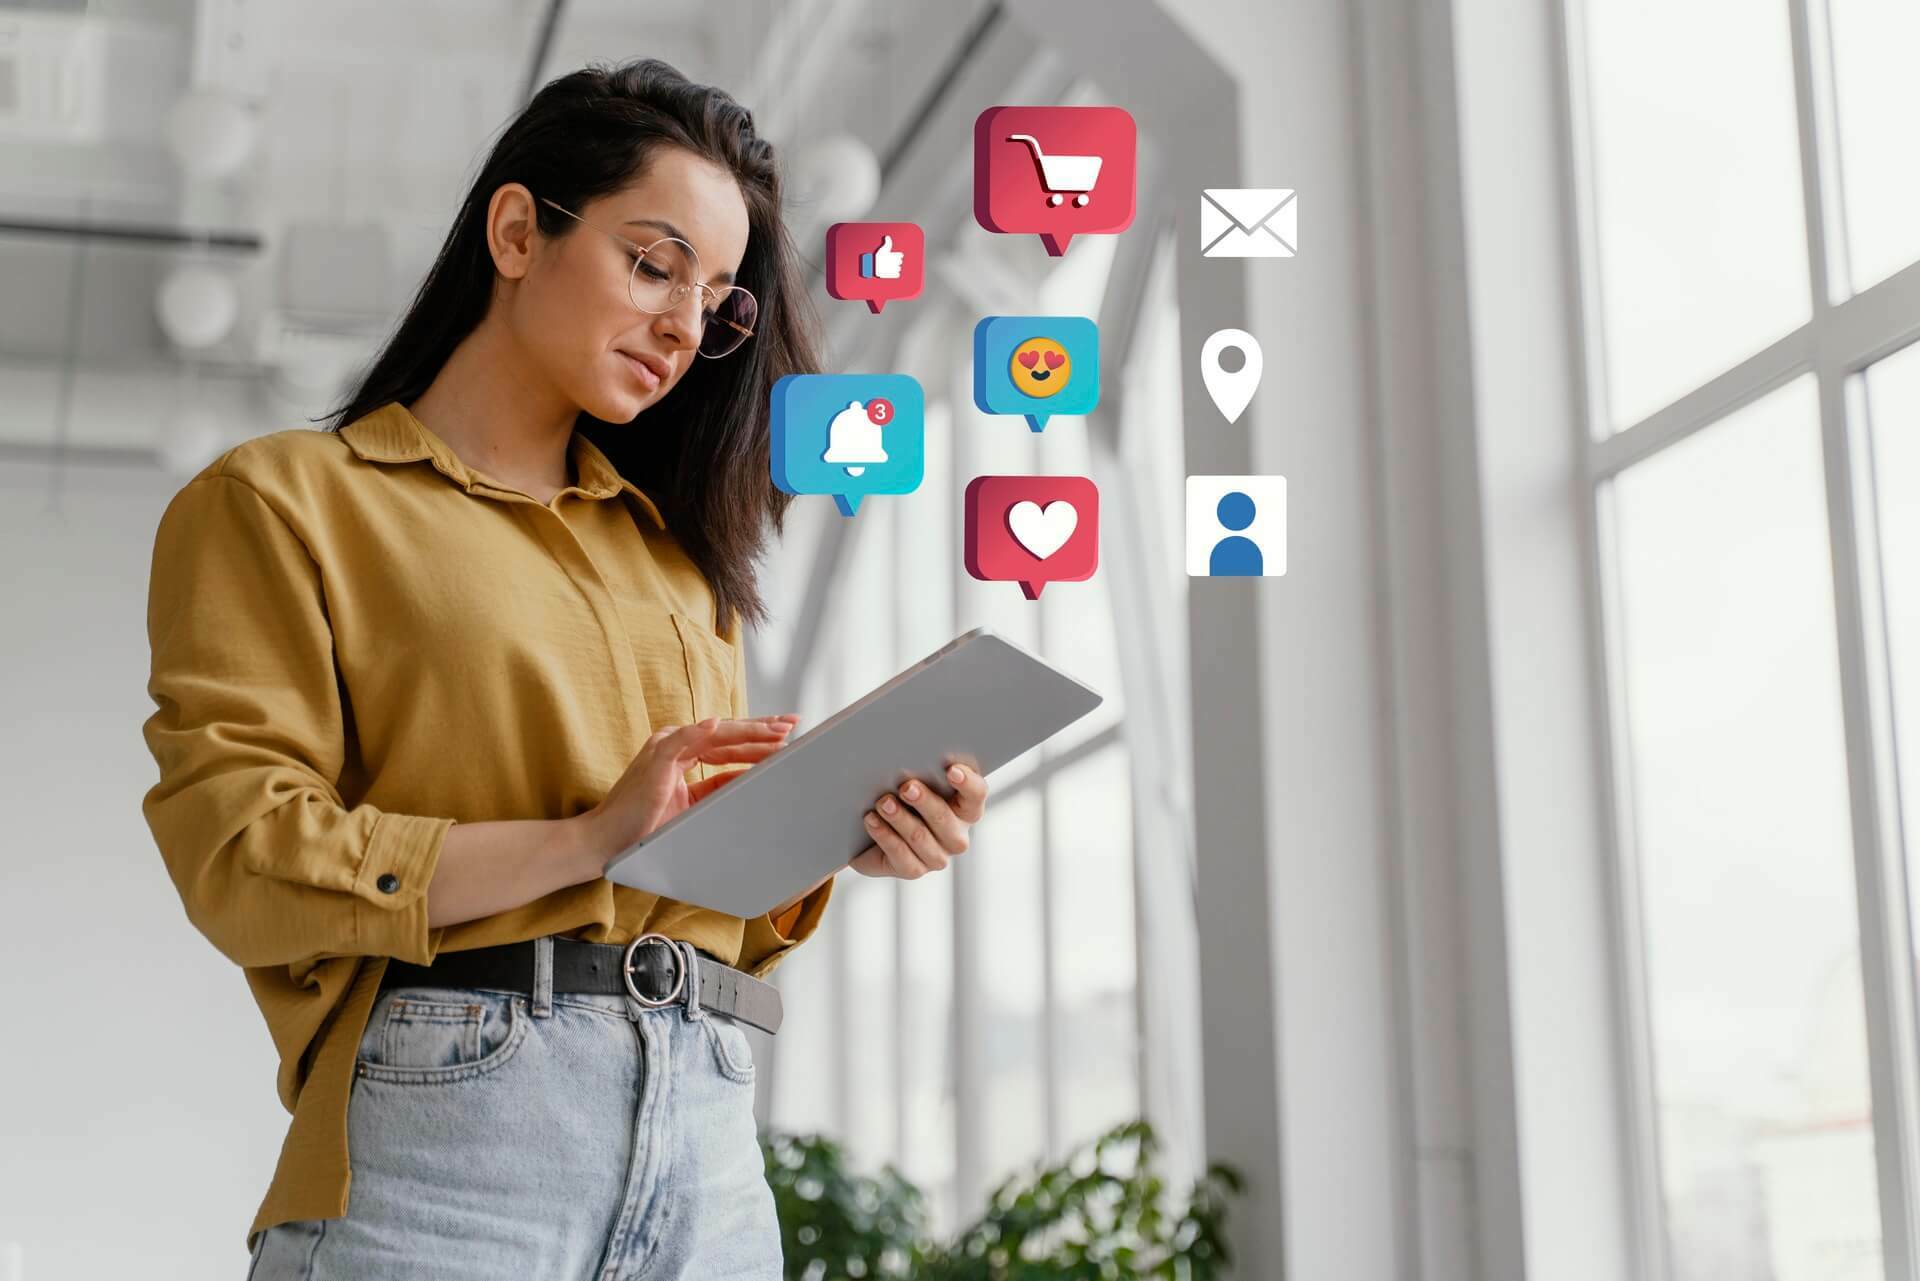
point(1236, 526)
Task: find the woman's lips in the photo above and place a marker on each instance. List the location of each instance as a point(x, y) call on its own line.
point(648, 378)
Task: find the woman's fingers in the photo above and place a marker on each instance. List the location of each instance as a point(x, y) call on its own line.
point(748, 754)
point(739, 753)
point(687, 741)
point(900, 859)
point(970, 792)
point(705, 787)
point(937, 814)
point(910, 828)
point(871, 861)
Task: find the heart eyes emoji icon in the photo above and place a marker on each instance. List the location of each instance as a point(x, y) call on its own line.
point(1040, 367)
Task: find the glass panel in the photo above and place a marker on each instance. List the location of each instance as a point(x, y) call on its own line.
point(993, 445)
point(1697, 197)
point(806, 1052)
point(865, 906)
point(927, 537)
point(927, 1149)
point(1893, 390)
point(1738, 779)
point(1090, 833)
point(1003, 858)
point(1877, 98)
point(1076, 619)
point(864, 655)
point(810, 1051)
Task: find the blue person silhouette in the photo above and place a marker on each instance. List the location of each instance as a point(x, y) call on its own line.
point(1235, 555)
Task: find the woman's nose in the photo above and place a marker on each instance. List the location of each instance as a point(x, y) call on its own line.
point(680, 327)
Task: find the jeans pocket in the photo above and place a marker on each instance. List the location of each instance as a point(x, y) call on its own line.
point(732, 1051)
point(427, 1036)
point(253, 1256)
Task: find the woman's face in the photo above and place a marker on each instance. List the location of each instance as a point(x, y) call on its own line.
point(572, 309)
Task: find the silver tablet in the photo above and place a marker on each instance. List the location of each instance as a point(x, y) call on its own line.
point(796, 816)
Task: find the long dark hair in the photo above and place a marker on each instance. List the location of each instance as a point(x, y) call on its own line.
point(583, 136)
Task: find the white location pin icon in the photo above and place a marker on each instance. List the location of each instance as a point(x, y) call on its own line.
point(1231, 389)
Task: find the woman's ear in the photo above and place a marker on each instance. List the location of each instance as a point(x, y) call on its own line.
point(511, 229)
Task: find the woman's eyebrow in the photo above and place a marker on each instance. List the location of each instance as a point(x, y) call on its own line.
point(665, 226)
point(725, 277)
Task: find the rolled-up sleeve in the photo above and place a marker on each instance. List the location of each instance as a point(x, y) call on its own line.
point(768, 938)
point(250, 737)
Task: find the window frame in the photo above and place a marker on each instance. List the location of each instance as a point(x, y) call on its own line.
point(1842, 338)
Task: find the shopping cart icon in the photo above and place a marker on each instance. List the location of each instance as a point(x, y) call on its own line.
point(1062, 176)
point(1068, 149)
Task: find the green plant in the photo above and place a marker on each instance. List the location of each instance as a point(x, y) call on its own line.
point(1097, 1216)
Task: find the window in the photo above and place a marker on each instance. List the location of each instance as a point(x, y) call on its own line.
point(1740, 826)
point(1755, 471)
point(1702, 246)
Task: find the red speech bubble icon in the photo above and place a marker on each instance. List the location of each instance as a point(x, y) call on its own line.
point(1058, 172)
point(876, 262)
point(1032, 530)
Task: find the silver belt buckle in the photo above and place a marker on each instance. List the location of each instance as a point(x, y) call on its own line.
point(679, 971)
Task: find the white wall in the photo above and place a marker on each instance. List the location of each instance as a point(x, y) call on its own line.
point(140, 1125)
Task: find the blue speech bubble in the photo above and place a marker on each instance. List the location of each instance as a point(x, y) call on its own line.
point(848, 435)
point(1062, 376)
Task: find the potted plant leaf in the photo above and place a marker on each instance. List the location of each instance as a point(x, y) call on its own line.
point(1099, 1215)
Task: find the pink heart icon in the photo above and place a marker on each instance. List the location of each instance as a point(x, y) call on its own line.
point(1028, 358)
point(1056, 359)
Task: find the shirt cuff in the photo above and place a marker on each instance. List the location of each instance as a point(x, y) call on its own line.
point(764, 945)
point(390, 917)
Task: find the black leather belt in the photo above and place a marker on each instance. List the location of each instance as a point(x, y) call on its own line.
point(651, 969)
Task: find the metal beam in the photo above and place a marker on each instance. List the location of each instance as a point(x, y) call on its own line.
point(930, 103)
point(134, 233)
point(1886, 943)
point(542, 46)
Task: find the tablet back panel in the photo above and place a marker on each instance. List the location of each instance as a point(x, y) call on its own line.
point(790, 820)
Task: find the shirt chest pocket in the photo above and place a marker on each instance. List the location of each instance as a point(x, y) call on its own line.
point(685, 668)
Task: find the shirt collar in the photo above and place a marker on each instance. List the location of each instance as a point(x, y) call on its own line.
point(391, 434)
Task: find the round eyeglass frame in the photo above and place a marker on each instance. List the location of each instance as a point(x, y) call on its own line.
point(678, 295)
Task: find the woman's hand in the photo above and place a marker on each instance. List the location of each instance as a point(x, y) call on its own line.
point(910, 842)
point(917, 830)
point(655, 788)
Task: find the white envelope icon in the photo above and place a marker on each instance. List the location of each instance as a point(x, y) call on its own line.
point(1249, 222)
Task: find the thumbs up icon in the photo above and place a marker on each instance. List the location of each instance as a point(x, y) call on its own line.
point(872, 262)
point(883, 262)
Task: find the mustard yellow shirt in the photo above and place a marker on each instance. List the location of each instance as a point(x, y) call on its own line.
point(359, 641)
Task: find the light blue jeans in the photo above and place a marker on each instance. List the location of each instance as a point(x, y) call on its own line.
point(557, 1136)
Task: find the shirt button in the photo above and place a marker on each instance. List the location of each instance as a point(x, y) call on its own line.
point(388, 883)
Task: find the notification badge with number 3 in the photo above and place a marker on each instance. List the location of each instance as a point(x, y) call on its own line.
point(876, 262)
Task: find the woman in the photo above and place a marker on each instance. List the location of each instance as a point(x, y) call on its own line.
point(421, 676)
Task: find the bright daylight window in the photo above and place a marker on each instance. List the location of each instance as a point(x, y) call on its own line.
point(1756, 474)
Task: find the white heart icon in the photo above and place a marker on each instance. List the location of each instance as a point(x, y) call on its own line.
point(1042, 532)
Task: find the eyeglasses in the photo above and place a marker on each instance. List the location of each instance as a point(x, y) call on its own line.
point(665, 272)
